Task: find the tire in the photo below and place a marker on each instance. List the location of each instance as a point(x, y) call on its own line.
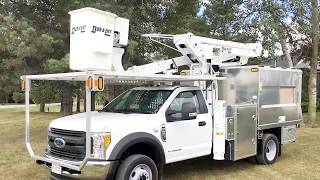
point(268, 151)
point(137, 165)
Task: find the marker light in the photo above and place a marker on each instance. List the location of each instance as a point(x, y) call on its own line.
point(89, 83)
point(100, 83)
point(107, 140)
point(23, 85)
point(254, 69)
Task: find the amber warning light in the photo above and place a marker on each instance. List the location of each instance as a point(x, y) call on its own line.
point(23, 85)
point(95, 84)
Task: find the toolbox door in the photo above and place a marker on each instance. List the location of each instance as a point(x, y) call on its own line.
point(246, 131)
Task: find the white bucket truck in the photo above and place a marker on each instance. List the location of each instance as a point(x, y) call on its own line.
point(216, 106)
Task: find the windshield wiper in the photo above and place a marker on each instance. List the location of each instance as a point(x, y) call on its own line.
point(128, 111)
point(105, 110)
point(124, 111)
point(116, 111)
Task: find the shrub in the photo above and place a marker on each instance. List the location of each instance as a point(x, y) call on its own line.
point(305, 104)
point(18, 97)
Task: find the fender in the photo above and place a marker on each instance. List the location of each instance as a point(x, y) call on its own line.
point(127, 142)
point(135, 138)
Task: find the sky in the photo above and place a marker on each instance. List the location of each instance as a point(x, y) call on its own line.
point(201, 11)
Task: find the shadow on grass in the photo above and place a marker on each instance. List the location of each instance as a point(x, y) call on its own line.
point(204, 166)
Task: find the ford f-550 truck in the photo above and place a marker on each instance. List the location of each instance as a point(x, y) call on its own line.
point(216, 106)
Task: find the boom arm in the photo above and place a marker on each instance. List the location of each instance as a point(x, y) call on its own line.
point(160, 66)
point(201, 50)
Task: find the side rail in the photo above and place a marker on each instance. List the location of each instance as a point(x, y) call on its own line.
point(56, 163)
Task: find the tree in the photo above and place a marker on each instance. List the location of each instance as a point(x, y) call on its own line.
point(23, 51)
point(42, 19)
point(65, 90)
point(43, 92)
point(313, 64)
point(276, 24)
point(276, 13)
point(182, 18)
point(222, 18)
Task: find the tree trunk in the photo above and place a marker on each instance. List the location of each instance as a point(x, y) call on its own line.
point(85, 103)
point(78, 101)
point(313, 65)
point(67, 101)
point(42, 105)
point(286, 52)
point(61, 105)
point(93, 101)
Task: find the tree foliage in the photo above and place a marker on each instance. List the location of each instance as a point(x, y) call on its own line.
point(34, 34)
point(22, 50)
point(34, 38)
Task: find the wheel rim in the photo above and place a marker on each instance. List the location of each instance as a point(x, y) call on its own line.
point(271, 150)
point(141, 172)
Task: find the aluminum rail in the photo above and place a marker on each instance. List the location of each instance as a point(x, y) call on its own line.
point(82, 76)
point(74, 166)
point(109, 75)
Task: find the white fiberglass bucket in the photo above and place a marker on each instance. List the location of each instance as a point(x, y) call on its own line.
point(91, 39)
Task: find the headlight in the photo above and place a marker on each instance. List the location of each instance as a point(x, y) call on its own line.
point(100, 143)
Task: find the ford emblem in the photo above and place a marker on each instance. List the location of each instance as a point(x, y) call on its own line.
point(58, 142)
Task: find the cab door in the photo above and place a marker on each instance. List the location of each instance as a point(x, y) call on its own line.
point(188, 127)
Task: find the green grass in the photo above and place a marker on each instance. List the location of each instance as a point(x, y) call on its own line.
point(300, 160)
point(33, 108)
point(15, 162)
point(48, 108)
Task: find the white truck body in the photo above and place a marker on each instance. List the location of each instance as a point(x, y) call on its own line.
point(217, 107)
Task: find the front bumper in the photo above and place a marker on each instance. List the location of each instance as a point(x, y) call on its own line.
point(94, 169)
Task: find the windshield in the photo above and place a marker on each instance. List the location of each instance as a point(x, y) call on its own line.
point(138, 101)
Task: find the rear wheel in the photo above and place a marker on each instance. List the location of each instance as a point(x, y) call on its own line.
point(137, 167)
point(268, 150)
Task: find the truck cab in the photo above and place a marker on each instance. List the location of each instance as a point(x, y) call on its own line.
point(165, 123)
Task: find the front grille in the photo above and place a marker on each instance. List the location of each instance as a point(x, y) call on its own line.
point(68, 132)
point(75, 144)
point(66, 155)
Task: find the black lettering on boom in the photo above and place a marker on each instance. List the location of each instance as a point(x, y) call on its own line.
point(107, 32)
point(82, 29)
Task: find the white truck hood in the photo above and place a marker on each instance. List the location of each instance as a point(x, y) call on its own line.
point(99, 121)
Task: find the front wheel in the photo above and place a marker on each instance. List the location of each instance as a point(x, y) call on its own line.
point(137, 167)
point(269, 149)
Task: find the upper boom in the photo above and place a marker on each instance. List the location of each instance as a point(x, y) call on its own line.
point(202, 51)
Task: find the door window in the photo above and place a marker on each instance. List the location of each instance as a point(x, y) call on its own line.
point(183, 97)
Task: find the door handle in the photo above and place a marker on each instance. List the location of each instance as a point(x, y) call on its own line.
point(202, 123)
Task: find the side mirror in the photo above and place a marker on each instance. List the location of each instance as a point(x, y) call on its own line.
point(189, 111)
point(170, 112)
